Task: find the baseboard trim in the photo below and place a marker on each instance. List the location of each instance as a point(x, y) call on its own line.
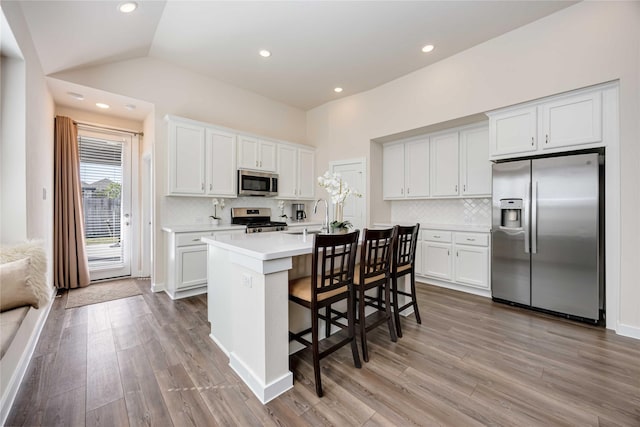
point(264, 392)
point(628, 331)
point(14, 382)
point(157, 287)
point(456, 287)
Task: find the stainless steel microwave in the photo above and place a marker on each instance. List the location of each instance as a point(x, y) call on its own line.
point(254, 183)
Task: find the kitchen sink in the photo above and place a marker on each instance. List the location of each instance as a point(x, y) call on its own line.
point(302, 232)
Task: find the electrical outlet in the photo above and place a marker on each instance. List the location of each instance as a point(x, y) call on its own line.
point(247, 280)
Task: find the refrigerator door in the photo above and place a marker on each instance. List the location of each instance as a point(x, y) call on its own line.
point(510, 258)
point(564, 238)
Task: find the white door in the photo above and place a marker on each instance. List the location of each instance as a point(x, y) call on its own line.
point(221, 163)
point(106, 172)
point(287, 173)
point(416, 163)
point(436, 260)
point(306, 174)
point(475, 167)
point(353, 172)
point(444, 165)
point(186, 158)
point(393, 171)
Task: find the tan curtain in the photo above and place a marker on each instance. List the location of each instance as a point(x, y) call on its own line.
point(70, 264)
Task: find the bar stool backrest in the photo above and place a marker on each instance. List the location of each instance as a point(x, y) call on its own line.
point(334, 257)
point(405, 248)
point(376, 253)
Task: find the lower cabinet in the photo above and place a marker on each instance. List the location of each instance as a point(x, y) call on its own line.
point(186, 261)
point(456, 258)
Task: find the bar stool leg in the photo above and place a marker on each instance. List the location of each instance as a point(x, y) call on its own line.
point(316, 352)
point(361, 322)
point(415, 297)
point(396, 313)
point(387, 308)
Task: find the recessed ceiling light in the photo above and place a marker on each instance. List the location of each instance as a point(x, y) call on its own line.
point(428, 48)
point(102, 105)
point(127, 7)
point(265, 53)
point(74, 95)
point(337, 90)
point(130, 107)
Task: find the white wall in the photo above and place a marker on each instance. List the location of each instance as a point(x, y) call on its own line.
point(13, 192)
point(38, 137)
point(585, 44)
point(175, 90)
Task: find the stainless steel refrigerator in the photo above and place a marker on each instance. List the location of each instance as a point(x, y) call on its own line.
point(546, 234)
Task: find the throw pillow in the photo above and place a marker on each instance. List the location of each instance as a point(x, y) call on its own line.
point(14, 290)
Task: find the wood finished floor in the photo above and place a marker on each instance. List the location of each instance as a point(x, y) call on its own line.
point(147, 360)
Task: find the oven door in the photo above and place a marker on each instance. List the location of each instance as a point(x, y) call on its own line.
point(252, 183)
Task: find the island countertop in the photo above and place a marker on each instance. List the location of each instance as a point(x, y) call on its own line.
point(263, 246)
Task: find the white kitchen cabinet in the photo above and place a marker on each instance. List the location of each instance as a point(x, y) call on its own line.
point(444, 164)
point(405, 170)
point(475, 167)
point(574, 120)
point(393, 171)
point(513, 131)
point(472, 265)
point(436, 260)
point(296, 172)
point(569, 121)
point(186, 159)
point(186, 271)
point(221, 163)
point(256, 154)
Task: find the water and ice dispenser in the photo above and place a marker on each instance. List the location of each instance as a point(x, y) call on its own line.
point(511, 213)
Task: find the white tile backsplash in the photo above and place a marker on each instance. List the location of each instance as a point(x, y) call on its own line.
point(442, 211)
point(196, 210)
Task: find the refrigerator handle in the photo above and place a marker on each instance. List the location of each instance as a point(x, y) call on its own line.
point(534, 218)
point(525, 219)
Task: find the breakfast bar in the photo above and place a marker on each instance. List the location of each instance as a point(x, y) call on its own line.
point(248, 304)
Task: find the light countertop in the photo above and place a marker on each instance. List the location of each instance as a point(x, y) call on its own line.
point(192, 228)
point(263, 246)
point(450, 227)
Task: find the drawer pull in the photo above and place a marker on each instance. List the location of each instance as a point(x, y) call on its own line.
point(196, 240)
point(471, 240)
point(436, 237)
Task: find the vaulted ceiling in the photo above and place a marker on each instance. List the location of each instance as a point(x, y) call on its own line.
point(316, 45)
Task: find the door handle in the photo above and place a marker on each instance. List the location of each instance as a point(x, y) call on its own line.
point(534, 218)
point(526, 219)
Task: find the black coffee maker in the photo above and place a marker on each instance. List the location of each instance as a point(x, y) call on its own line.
point(297, 212)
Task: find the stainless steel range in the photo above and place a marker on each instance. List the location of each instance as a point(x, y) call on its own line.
point(257, 220)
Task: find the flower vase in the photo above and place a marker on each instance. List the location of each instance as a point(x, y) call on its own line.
point(339, 212)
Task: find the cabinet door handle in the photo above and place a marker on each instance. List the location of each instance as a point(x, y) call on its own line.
point(210, 187)
point(202, 186)
point(471, 240)
point(448, 252)
point(196, 240)
point(260, 163)
point(464, 188)
point(402, 191)
point(456, 190)
point(546, 139)
point(408, 190)
point(457, 253)
point(436, 237)
point(256, 163)
point(532, 141)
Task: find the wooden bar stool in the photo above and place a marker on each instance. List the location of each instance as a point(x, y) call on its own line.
point(404, 260)
point(374, 273)
point(332, 266)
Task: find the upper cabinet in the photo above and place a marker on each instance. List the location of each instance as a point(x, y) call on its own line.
point(296, 172)
point(257, 154)
point(203, 161)
point(570, 121)
point(187, 154)
point(442, 165)
point(475, 167)
point(513, 131)
point(221, 163)
point(405, 170)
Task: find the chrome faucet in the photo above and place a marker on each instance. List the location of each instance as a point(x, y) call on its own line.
point(326, 213)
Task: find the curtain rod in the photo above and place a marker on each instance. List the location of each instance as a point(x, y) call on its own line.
point(97, 126)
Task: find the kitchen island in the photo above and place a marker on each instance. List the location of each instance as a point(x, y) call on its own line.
point(248, 304)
